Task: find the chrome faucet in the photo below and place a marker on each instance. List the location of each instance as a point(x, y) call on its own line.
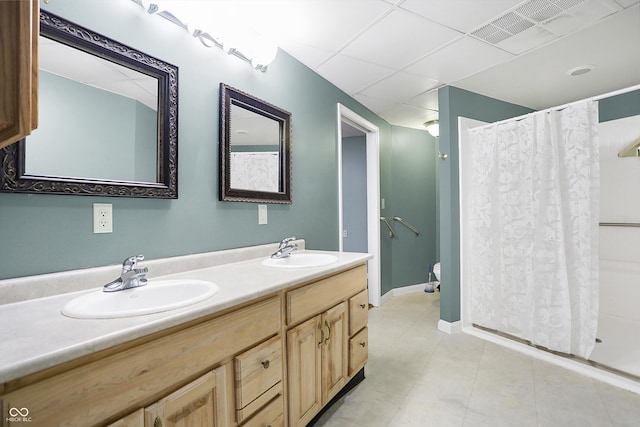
point(285, 248)
point(131, 276)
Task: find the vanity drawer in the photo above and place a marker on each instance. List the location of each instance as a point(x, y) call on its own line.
point(309, 300)
point(358, 350)
point(257, 370)
point(358, 312)
point(271, 415)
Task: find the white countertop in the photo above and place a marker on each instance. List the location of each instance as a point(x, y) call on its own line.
point(35, 335)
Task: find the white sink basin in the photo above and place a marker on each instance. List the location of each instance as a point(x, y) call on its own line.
point(155, 297)
point(301, 260)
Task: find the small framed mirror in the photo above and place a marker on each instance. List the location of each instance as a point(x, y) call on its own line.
point(255, 149)
point(108, 120)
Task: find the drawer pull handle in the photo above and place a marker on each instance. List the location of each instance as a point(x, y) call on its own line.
point(362, 306)
point(329, 329)
point(265, 364)
point(157, 422)
point(322, 336)
point(362, 343)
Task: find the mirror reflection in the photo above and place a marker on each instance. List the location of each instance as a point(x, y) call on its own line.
point(255, 151)
point(108, 120)
point(108, 127)
point(255, 144)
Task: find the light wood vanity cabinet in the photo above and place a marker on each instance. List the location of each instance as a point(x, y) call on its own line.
point(162, 374)
point(19, 29)
point(318, 347)
point(246, 367)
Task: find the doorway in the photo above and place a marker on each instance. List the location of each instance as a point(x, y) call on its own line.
point(353, 125)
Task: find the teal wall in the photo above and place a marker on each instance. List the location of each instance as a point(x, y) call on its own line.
point(454, 103)
point(46, 233)
point(620, 106)
point(97, 132)
point(414, 200)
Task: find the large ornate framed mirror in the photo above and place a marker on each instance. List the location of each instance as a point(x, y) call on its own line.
point(255, 149)
point(108, 120)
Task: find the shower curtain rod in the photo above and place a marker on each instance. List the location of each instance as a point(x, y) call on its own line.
point(563, 106)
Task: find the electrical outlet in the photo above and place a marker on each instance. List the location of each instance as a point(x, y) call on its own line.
point(262, 214)
point(102, 218)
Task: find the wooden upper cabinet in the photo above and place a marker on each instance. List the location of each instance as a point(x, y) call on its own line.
point(19, 29)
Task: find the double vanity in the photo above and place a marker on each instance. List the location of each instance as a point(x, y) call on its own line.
point(270, 343)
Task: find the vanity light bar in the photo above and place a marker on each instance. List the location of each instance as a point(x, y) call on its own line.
point(205, 38)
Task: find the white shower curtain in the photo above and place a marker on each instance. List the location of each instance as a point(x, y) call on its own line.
point(533, 228)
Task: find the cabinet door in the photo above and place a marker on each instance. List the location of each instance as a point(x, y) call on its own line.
point(334, 351)
point(304, 352)
point(199, 403)
point(19, 28)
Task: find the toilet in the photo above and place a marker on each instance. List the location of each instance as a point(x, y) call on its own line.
point(433, 284)
point(436, 271)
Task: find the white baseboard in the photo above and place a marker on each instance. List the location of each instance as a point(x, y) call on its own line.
point(411, 289)
point(450, 327)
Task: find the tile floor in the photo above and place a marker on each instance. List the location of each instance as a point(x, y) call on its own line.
point(419, 376)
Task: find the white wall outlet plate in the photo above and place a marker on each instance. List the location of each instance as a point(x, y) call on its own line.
point(102, 218)
point(262, 214)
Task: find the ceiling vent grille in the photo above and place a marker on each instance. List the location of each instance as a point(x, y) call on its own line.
point(524, 17)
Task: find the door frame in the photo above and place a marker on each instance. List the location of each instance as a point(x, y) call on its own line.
point(372, 136)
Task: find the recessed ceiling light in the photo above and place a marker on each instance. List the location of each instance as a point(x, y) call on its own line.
point(580, 70)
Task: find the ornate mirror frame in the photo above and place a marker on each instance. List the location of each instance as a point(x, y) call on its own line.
point(13, 176)
point(229, 97)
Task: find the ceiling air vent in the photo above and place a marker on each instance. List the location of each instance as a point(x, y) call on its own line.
point(524, 17)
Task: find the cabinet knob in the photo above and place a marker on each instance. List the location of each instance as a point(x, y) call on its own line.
point(363, 306)
point(362, 343)
point(157, 422)
point(265, 364)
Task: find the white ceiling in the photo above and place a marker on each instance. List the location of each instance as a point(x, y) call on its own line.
point(393, 55)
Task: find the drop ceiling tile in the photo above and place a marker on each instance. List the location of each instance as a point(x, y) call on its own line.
point(373, 104)
point(458, 60)
point(564, 24)
point(400, 86)
point(593, 10)
point(399, 39)
point(312, 57)
point(407, 116)
point(527, 40)
point(350, 74)
point(627, 3)
point(427, 100)
point(321, 24)
point(461, 15)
